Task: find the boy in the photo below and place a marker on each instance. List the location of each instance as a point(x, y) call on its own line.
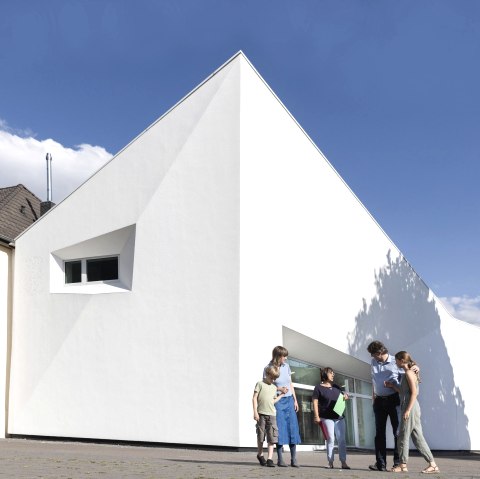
point(264, 412)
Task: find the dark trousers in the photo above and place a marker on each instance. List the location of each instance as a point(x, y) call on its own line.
point(384, 408)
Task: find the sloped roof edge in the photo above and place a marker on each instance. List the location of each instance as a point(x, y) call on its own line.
point(232, 58)
point(241, 54)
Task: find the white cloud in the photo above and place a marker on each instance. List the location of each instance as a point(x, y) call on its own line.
point(22, 160)
point(464, 308)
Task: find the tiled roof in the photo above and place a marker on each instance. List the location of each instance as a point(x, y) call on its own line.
point(19, 208)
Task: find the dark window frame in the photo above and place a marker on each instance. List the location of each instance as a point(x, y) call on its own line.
point(73, 274)
point(100, 269)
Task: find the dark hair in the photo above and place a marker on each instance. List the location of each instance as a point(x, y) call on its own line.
point(278, 353)
point(376, 347)
point(324, 373)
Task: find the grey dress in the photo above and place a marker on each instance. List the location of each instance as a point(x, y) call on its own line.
point(411, 427)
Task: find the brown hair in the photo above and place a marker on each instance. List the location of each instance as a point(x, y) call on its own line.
point(278, 353)
point(376, 347)
point(407, 359)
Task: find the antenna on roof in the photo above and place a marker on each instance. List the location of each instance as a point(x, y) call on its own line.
point(49, 177)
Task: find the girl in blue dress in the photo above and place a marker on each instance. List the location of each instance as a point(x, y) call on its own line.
point(287, 407)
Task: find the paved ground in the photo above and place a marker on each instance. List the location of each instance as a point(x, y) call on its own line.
point(20, 458)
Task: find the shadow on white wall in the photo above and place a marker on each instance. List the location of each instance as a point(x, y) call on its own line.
point(403, 315)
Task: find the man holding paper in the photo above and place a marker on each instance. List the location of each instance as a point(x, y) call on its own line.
point(329, 408)
point(385, 401)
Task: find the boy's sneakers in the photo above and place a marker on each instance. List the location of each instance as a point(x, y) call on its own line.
point(270, 463)
point(376, 467)
point(261, 460)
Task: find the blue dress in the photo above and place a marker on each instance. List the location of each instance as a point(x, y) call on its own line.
point(287, 422)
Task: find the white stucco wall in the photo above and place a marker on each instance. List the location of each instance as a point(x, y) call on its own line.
point(314, 260)
point(241, 229)
point(149, 364)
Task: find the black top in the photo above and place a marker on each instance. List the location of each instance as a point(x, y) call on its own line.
point(327, 397)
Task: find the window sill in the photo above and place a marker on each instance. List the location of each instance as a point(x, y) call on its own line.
point(97, 287)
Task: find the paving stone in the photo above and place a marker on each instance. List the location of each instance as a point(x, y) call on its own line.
point(37, 459)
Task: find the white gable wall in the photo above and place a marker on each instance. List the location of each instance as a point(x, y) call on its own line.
point(310, 254)
point(242, 231)
point(141, 365)
point(308, 247)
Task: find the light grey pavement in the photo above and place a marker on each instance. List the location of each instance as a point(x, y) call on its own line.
point(21, 458)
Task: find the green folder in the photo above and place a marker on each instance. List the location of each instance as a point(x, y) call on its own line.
point(339, 407)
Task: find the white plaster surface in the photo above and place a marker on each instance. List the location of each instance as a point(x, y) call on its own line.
point(243, 229)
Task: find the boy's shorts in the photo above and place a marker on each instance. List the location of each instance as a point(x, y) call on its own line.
point(267, 426)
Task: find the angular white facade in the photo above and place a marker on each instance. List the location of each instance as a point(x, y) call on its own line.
point(233, 234)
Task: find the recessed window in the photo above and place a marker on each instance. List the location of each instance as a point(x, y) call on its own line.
point(102, 269)
point(90, 270)
point(98, 265)
point(73, 272)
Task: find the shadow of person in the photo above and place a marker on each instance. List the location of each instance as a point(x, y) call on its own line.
point(404, 316)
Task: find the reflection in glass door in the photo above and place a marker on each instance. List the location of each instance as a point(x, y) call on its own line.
point(309, 431)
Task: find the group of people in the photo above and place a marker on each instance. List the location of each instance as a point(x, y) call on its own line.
point(395, 381)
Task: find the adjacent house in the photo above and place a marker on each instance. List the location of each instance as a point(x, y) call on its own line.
point(19, 208)
point(147, 303)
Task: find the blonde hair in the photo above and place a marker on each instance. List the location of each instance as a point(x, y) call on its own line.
point(278, 353)
point(272, 372)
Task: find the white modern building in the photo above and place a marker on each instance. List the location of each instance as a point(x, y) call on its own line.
point(147, 303)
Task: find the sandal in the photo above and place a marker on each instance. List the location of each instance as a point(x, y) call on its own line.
point(431, 470)
point(399, 468)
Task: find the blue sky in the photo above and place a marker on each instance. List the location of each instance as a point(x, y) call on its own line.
point(387, 89)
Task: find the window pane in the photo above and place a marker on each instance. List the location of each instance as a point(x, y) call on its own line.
point(349, 423)
point(309, 431)
point(73, 272)
point(362, 387)
point(366, 423)
point(102, 269)
point(303, 373)
point(344, 382)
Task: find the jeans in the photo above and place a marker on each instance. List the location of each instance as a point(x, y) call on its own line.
point(385, 407)
point(336, 430)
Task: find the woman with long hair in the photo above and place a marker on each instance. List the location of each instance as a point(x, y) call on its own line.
point(287, 407)
point(410, 424)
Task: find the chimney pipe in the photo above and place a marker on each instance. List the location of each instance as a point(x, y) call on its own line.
point(49, 177)
point(46, 205)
